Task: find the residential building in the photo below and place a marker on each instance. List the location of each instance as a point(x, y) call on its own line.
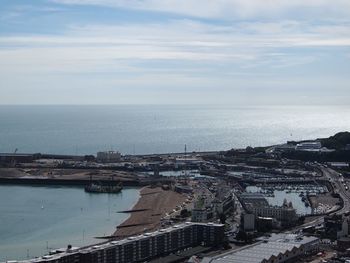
point(143, 247)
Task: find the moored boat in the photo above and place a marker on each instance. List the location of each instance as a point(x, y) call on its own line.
point(98, 188)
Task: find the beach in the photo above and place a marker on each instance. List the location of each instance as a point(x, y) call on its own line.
point(152, 205)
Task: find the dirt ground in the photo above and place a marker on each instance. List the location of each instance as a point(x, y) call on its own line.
point(65, 174)
point(323, 202)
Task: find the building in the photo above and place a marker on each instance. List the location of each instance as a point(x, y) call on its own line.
point(202, 214)
point(275, 249)
point(252, 199)
point(286, 215)
point(108, 157)
point(257, 204)
point(144, 247)
point(287, 147)
point(9, 158)
point(313, 146)
point(248, 222)
point(202, 210)
point(308, 146)
point(223, 202)
point(336, 226)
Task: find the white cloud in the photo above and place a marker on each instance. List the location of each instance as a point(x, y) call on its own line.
point(227, 9)
point(19, 10)
point(111, 48)
point(176, 54)
point(260, 45)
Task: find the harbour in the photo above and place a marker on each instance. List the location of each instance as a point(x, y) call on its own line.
point(276, 196)
point(36, 219)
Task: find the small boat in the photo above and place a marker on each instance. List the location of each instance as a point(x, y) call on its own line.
point(110, 188)
point(99, 188)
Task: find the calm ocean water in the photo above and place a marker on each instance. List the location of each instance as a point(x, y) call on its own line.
point(159, 129)
point(34, 220)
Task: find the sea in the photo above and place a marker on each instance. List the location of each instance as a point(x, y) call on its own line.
point(36, 219)
point(142, 129)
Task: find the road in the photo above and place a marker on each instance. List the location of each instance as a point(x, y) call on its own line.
point(339, 187)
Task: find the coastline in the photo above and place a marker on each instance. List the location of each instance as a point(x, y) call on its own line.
point(152, 205)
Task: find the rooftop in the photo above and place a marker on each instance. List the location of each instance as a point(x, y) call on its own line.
point(263, 250)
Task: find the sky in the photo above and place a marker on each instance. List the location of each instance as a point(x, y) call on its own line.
point(238, 52)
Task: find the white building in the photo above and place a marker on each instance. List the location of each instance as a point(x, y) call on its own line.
point(309, 146)
point(286, 215)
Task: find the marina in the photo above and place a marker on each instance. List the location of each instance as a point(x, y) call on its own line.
point(297, 194)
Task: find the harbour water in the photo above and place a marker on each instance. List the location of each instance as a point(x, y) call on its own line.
point(161, 129)
point(36, 219)
point(279, 194)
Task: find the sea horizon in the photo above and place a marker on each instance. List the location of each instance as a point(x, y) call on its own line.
point(145, 129)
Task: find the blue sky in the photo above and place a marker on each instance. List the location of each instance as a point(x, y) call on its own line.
point(170, 52)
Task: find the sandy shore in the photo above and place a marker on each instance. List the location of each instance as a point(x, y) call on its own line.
point(155, 202)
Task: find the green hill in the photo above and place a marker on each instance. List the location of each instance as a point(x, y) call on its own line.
point(337, 141)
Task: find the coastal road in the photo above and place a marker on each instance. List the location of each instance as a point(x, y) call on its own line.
point(336, 179)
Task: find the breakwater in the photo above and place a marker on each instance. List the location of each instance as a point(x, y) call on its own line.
point(49, 181)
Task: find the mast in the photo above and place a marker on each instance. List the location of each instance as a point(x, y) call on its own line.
point(185, 160)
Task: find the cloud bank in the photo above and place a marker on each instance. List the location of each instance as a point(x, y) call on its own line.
point(210, 47)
